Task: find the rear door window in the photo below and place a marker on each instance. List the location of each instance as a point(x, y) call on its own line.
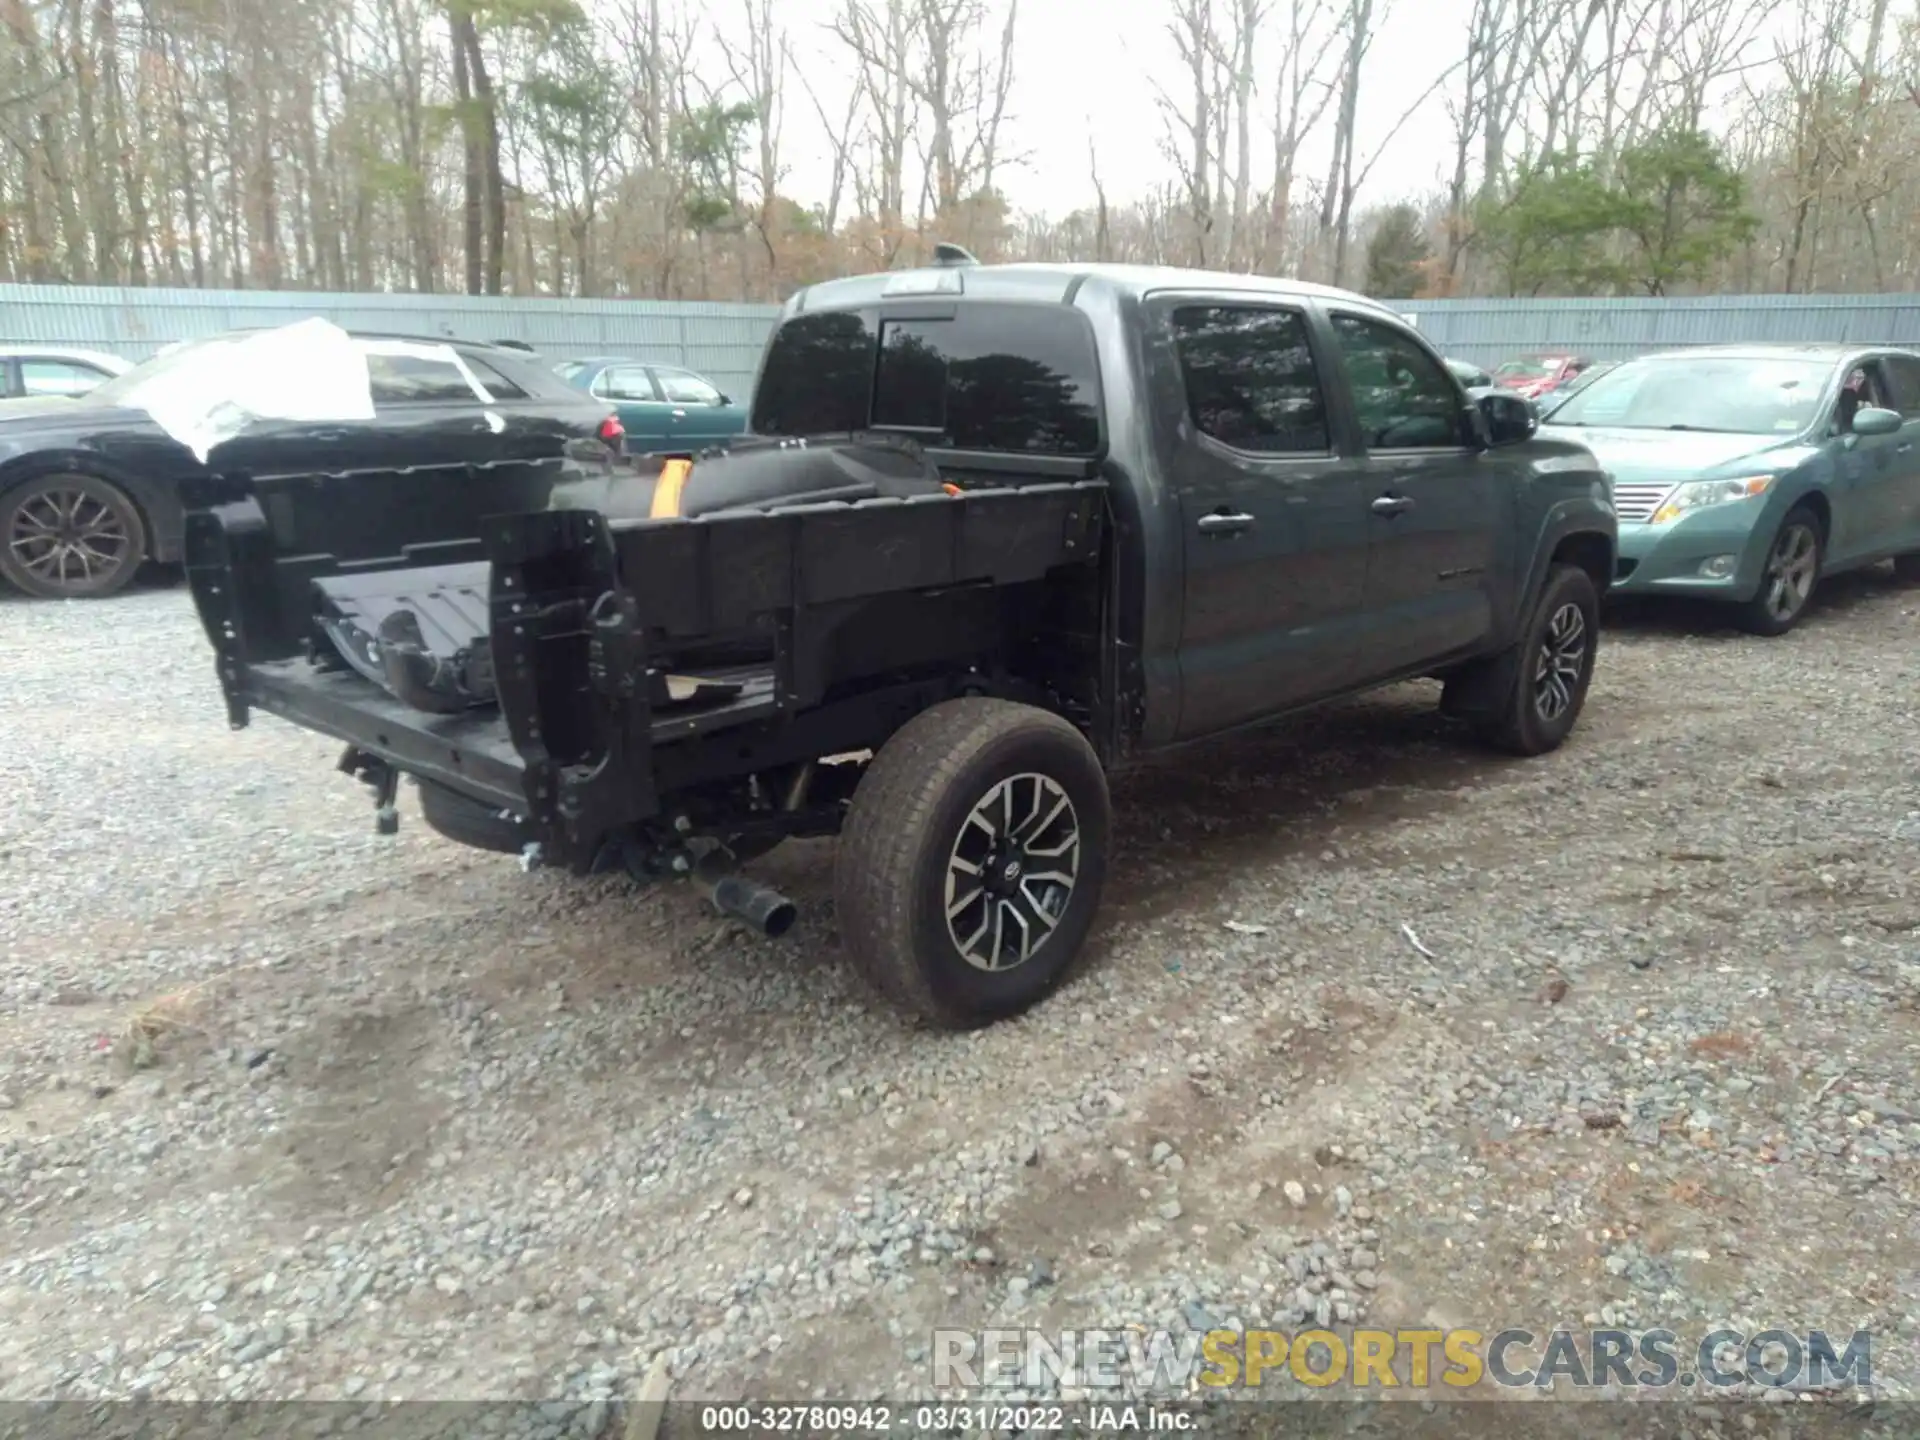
point(989, 376)
point(684, 389)
point(489, 375)
point(416, 380)
point(625, 382)
point(1250, 378)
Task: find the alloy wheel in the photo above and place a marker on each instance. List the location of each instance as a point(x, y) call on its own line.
point(1563, 656)
point(66, 537)
point(1790, 571)
point(1011, 871)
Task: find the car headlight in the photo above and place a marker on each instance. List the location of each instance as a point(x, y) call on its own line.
point(1698, 494)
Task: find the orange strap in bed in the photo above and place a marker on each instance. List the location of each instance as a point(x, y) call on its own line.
point(667, 489)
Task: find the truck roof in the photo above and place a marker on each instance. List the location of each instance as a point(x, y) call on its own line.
point(1042, 282)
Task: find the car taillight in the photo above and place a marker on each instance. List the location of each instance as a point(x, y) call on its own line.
point(612, 432)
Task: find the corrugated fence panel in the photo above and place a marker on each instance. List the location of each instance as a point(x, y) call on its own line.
point(723, 341)
point(1488, 331)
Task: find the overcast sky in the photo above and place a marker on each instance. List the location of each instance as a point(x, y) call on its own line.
point(1083, 69)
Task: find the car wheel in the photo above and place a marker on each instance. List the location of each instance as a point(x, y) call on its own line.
point(1906, 569)
point(972, 860)
point(70, 537)
point(1791, 574)
point(1550, 670)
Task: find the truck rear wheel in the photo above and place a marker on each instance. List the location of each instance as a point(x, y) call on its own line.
point(972, 860)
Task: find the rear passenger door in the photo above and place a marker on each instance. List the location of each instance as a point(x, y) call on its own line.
point(1440, 516)
point(1273, 517)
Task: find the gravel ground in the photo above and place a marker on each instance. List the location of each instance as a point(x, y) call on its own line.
point(1377, 1028)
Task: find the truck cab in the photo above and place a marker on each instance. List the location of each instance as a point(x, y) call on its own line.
point(995, 532)
point(1306, 501)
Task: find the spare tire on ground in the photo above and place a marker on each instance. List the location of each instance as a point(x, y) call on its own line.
point(469, 822)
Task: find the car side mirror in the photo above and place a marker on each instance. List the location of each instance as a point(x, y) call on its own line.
point(723, 400)
point(1872, 420)
point(1509, 419)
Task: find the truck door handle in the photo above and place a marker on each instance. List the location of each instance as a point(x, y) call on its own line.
point(1225, 522)
point(1391, 504)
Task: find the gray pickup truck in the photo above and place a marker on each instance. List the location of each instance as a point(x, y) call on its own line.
point(995, 532)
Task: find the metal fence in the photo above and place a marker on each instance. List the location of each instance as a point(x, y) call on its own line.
point(1488, 331)
point(724, 341)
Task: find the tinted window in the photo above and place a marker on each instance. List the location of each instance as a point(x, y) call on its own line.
point(684, 389)
point(411, 379)
point(1402, 398)
point(489, 375)
point(57, 377)
point(1250, 379)
point(1002, 377)
point(624, 382)
point(818, 377)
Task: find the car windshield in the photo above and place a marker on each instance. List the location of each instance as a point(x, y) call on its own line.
point(127, 388)
point(1733, 395)
point(569, 369)
point(1534, 367)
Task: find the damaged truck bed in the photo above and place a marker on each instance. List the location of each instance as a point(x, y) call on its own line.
point(567, 684)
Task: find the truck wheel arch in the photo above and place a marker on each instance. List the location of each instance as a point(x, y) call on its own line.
point(1592, 551)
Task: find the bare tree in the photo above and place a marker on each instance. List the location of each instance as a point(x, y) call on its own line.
point(1191, 140)
point(759, 69)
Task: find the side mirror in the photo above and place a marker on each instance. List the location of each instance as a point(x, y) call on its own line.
point(724, 400)
point(1872, 420)
point(1510, 419)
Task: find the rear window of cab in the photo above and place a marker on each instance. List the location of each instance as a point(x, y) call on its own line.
point(1011, 378)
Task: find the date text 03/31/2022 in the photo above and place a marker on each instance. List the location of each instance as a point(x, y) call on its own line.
point(939, 1419)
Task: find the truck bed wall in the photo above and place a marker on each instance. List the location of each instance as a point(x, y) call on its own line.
point(268, 539)
point(855, 605)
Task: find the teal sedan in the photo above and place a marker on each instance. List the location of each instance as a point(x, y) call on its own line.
point(1745, 474)
point(663, 408)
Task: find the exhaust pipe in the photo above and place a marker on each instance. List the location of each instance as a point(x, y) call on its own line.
point(752, 903)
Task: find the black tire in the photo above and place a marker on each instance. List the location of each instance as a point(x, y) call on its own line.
point(468, 822)
point(1906, 569)
point(1782, 599)
point(70, 537)
point(1546, 676)
point(905, 828)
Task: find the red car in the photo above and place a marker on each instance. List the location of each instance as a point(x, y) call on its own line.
point(1534, 375)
